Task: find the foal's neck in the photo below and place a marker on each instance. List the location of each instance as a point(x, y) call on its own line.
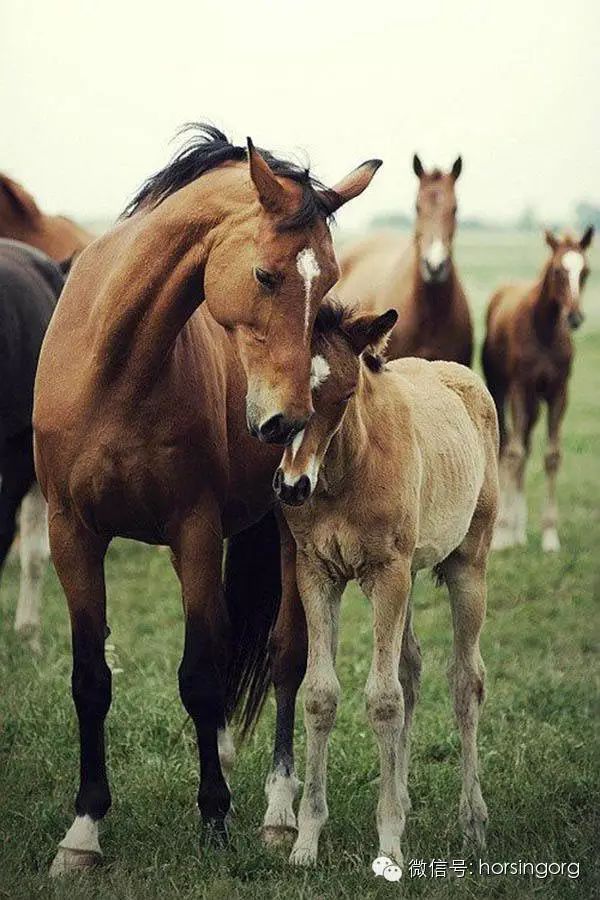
point(350, 444)
point(546, 309)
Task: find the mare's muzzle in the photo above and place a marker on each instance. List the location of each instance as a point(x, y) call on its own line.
point(575, 319)
point(293, 494)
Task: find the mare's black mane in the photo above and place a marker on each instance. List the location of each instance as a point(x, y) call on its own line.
point(209, 148)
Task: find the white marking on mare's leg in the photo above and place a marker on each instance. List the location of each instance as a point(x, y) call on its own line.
point(79, 849)
point(308, 269)
point(226, 751)
point(281, 788)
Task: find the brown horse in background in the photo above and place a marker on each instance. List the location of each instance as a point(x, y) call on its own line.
point(22, 220)
point(527, 359)
point(180, 331)
point(421, 282)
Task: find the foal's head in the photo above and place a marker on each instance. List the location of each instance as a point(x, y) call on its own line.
point(436, 220)
point(342, 342)
point(567, 272)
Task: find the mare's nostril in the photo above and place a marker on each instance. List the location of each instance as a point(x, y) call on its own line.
point(279, 430)
point(269, 430)
point(303, 489)
point(278, 481)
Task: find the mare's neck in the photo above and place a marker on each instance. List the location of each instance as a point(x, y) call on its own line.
point(158, 280)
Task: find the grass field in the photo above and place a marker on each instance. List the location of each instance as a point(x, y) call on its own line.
point(538, 738)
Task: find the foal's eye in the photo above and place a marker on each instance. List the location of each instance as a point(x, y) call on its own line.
point(268, 279)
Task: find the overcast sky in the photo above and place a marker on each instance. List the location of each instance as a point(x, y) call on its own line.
point(92, 92)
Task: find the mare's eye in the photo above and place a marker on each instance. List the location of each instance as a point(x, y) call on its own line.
point(268, 279)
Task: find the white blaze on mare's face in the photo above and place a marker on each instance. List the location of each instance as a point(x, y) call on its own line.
point(308, 269)
point(436, 253)
point(572, 262)
point(319, 370)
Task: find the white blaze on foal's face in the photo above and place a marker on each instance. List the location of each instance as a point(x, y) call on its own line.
point(308, 269)
point(573, 263)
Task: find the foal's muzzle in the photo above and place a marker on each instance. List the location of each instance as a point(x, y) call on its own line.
point(293, 494)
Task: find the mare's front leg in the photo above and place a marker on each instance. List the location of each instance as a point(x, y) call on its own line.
point(79, 561)
point(556, 410)
point(289, 647)
point(198, 551)
point(321, 600)
point(34, 552)
point(17, 474)
point(389, 593)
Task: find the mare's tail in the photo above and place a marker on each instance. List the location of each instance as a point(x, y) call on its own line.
point(252, 595)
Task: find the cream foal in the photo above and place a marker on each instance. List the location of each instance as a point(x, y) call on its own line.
point(395, 472)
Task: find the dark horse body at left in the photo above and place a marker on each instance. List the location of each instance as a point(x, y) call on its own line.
point(181, 330)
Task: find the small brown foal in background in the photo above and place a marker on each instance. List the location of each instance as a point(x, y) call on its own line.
point(527, 359)
point(395, 472)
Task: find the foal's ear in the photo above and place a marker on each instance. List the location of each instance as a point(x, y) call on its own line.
point(551, 239)
point(371, 331)
point(418, 167)
point(586, 240)
point(456, 168)
point(350, 186)
point(19, 198)
point(270, 193)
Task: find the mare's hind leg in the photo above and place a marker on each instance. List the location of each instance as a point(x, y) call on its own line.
point(289, 649)
point(556, 410)
point(198, 549)
point(79, 560)
point(34, 552)
point(410, 678)
point(465, 574)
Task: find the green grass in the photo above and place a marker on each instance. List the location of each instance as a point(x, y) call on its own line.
point(538, 738)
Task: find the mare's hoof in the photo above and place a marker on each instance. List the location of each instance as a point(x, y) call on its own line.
point(68, 860)
point(278, 835)
point(215, 833)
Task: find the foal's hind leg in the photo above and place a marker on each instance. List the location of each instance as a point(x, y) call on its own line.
point(34, 552)
point(79, 559)
point(410, 678)
point(389, 593)
point(288, 665)
point(464, 573)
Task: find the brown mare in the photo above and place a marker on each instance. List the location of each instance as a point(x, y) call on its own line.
point(22, 220)
point(527, 359)
point(396, 471)
point(179, 332)
point(421, 282)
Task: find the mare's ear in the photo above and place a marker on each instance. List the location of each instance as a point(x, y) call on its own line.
point(456, 168)
point(270, 193)
point(551, 239)
point(418, 167)
point(350, 186)
point(586, 240)
point(371, 331)
point(19, 198)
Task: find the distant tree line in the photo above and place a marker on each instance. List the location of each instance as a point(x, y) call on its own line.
point(586, 213)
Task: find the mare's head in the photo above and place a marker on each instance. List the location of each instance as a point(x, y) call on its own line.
point(343, 342)
point(436, 220)
point(22, 220)
point(268, 265)
point(567, 272)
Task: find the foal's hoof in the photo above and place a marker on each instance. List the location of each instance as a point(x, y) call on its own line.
point(550, 541)
point(30, 636)
point(278, 835)
point(303, 856)
point(68, 860)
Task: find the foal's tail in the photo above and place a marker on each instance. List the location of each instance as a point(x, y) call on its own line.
point(252, 594)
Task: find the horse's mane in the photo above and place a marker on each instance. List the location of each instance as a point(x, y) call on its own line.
point(331, 318)
point(209, 148)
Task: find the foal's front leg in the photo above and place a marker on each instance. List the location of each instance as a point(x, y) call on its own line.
point(389, 592)
point(321, 599)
